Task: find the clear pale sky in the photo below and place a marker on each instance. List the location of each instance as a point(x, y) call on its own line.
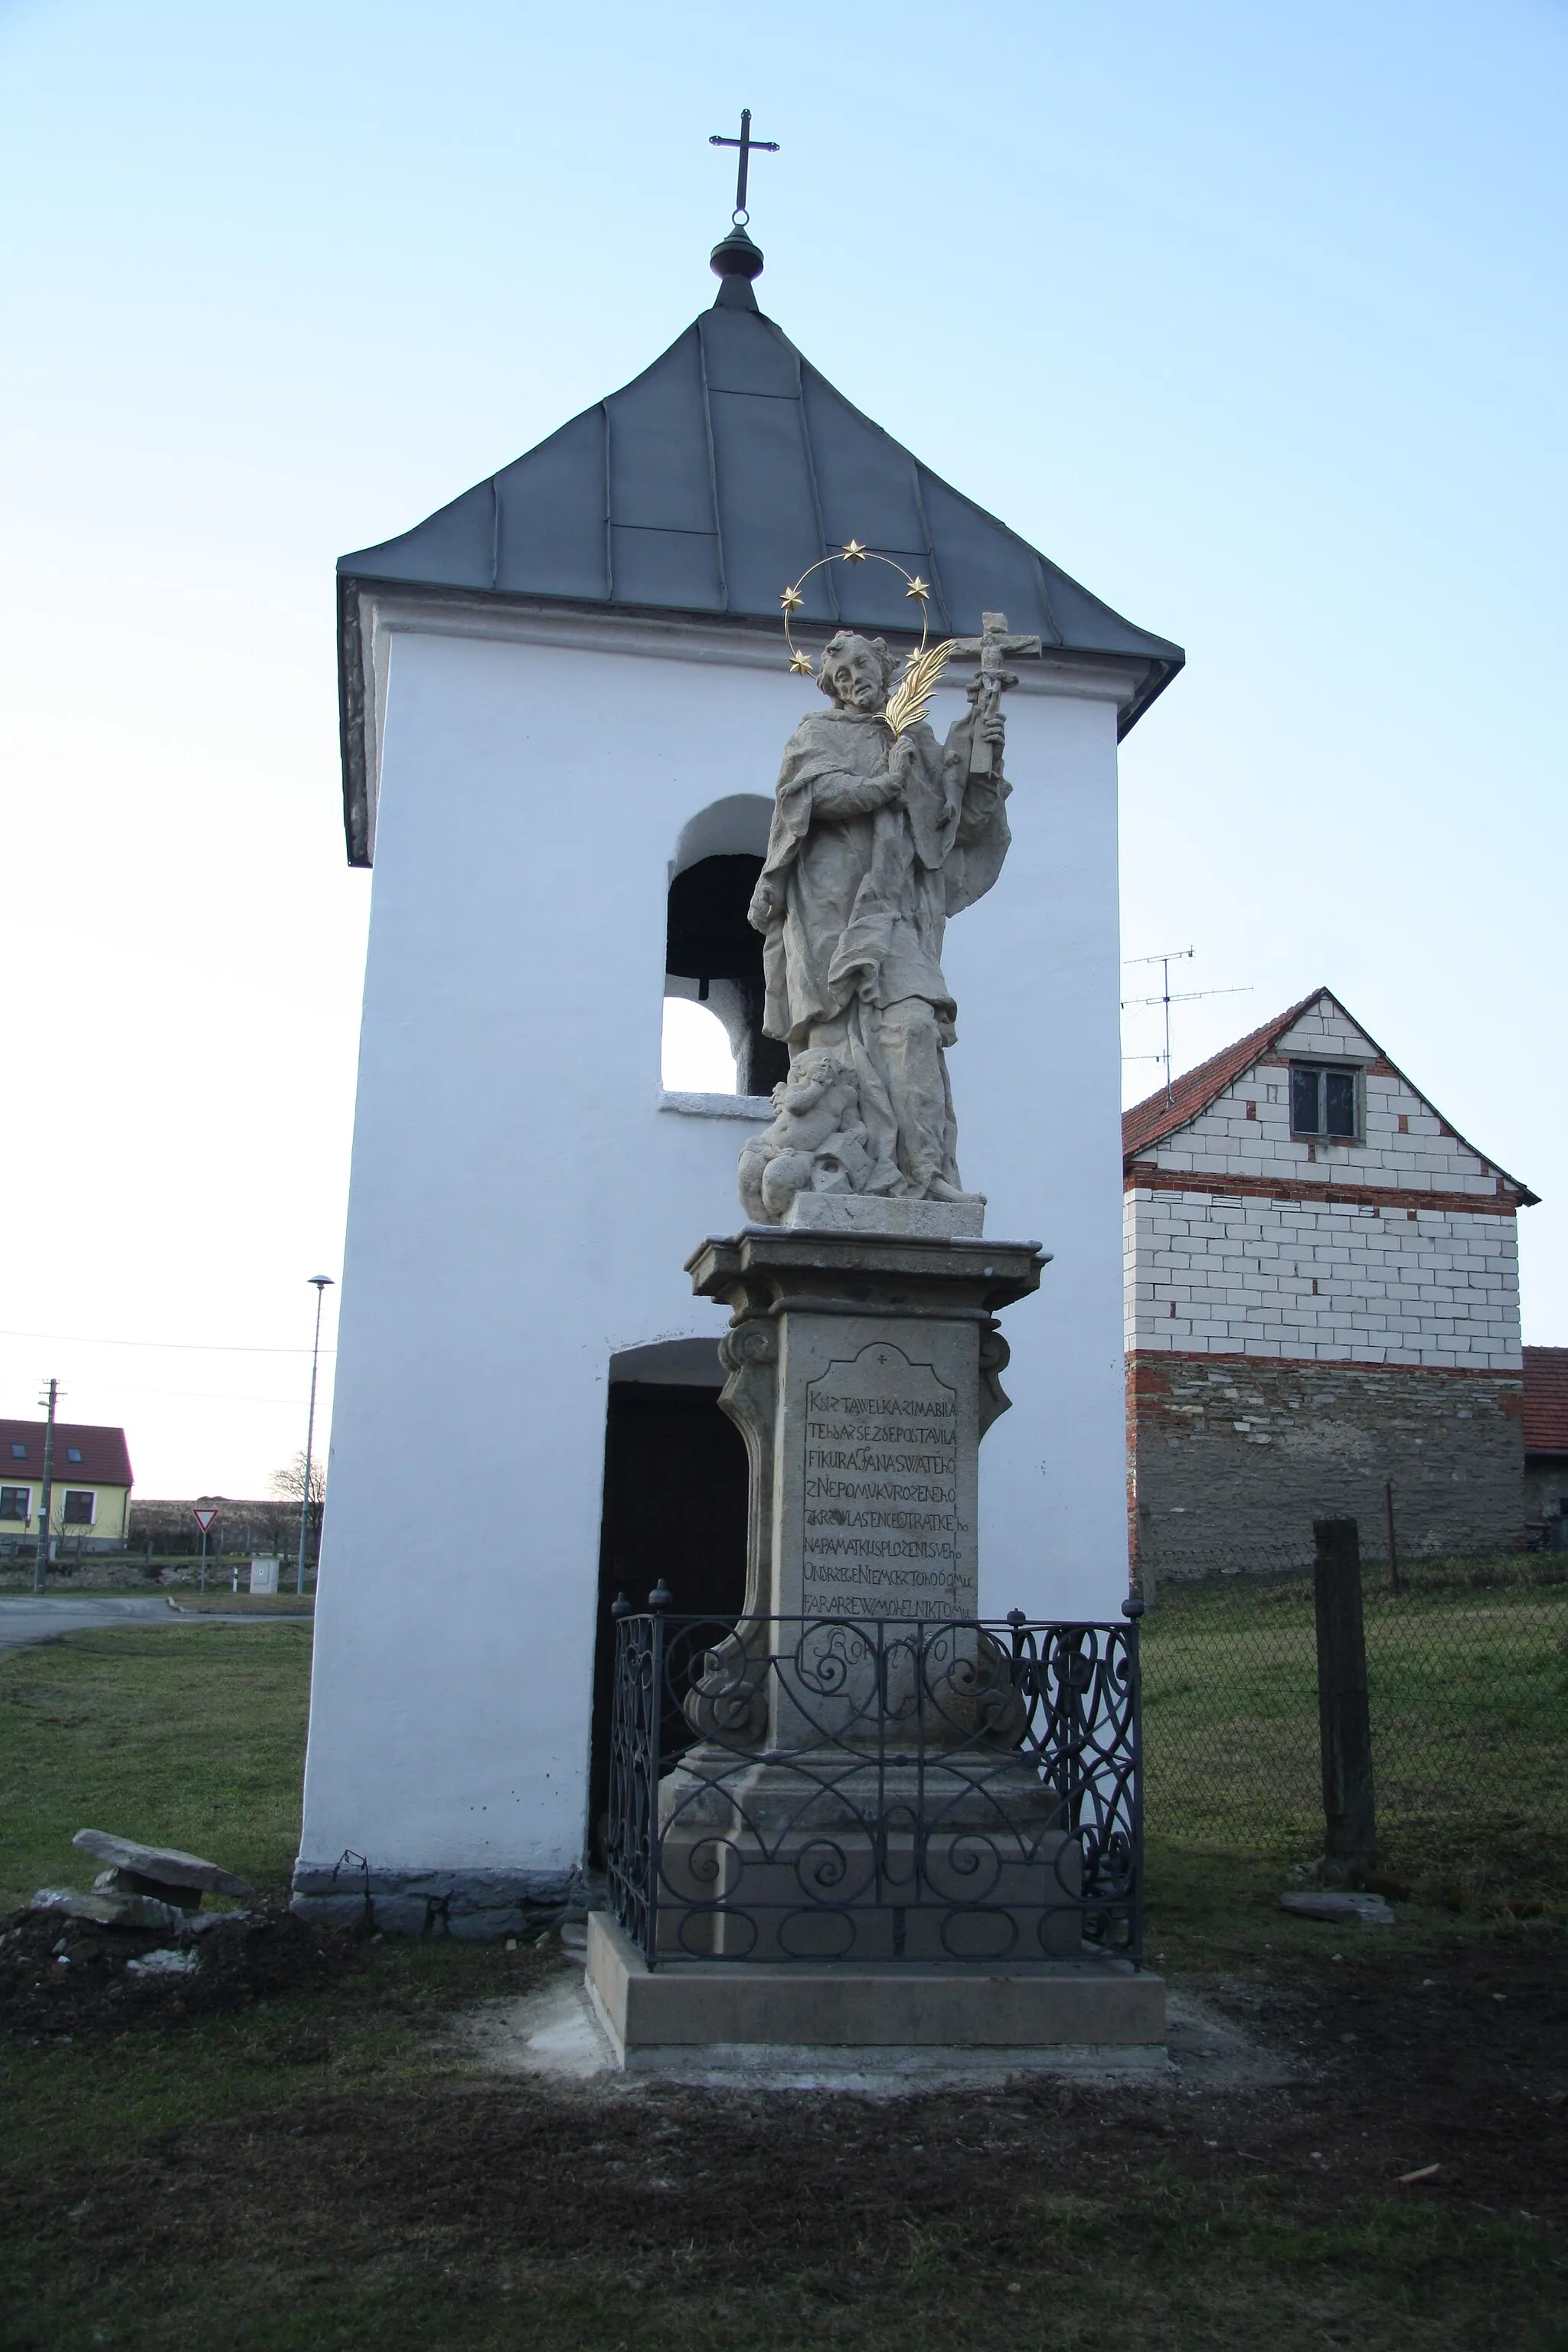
point(1250, 316)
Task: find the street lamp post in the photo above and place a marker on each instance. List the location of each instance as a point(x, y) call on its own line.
point(323, 1282)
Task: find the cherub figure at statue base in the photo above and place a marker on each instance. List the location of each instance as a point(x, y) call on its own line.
point(816, 1143)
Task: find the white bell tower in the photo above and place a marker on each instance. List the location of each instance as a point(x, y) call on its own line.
point(564, 699)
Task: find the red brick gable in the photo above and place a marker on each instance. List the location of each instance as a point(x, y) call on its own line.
point(1151, 1121)
point(1155, 1119)
point(105, 1458)
point(1546, 1399)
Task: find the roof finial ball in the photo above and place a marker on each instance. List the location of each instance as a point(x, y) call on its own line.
point(735, 260)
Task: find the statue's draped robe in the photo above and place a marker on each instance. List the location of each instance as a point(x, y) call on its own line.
point(866, 892)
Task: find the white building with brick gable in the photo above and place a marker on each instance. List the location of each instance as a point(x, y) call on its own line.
point(1322, 1304)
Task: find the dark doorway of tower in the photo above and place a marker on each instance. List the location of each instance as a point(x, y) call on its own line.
point(674, 1508)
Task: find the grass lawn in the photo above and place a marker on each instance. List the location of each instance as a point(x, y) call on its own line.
point(186, 1736)
point(220, 1601)
point(1468, 1685)
point(326, 2168)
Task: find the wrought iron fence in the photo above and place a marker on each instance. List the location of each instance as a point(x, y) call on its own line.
point(875, 1790)
point(1466, 1663)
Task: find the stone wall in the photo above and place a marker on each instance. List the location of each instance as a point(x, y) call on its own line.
point(1236, 1455)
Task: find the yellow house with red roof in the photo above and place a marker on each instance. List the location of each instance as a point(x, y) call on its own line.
point(90, 1486)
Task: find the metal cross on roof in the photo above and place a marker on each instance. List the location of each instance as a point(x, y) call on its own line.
point(746, 144)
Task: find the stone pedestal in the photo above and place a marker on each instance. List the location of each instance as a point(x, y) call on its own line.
point(838, 1854)
point(864, 1367)
point(883, 1821)
point(886, 1816)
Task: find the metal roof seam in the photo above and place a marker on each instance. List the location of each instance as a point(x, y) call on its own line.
point(939, 595)
point(666, 529)
point(712, 469)
point(1049, 608)
point(603, 407)
point(804, 427)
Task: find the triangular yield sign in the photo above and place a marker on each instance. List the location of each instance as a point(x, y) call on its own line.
point(203, 1516)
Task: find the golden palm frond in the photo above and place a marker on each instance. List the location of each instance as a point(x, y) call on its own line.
point(911, 698)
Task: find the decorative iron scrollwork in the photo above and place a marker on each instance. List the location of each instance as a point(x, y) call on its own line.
point(820, 1788)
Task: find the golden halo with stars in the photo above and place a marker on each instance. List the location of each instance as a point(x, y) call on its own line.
point(910, 697)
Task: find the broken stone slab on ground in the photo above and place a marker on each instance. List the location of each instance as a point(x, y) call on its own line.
point(1370, 1909)
point(163, 1963)
point(110, 1910)
point(198, 1924)
point(164, 1872)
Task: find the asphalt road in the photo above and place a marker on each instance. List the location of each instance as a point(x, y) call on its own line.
point(28, 1617)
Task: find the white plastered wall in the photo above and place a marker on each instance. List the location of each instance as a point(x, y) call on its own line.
point(523, 1198)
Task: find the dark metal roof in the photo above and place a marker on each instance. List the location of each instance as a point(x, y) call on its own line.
point(704, 487)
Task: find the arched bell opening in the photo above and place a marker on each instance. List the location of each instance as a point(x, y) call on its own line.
point(711, 953)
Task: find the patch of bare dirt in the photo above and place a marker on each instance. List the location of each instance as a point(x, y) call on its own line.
point(1456, 2059)
point(62, 1976)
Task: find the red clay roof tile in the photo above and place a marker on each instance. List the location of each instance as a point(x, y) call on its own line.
point(1151, 1121)
point(1546, 1399)
point(105, 1458)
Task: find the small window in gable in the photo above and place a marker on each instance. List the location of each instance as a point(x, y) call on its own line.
point(1325, 1102)
point(19, 1453)
point(73, 1454)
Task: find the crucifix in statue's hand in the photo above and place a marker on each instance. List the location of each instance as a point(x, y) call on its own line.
point(984, 691)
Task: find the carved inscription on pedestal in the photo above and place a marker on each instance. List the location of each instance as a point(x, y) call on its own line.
point(880, 1526)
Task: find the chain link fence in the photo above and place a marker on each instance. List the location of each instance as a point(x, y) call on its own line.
point(1467, 1684)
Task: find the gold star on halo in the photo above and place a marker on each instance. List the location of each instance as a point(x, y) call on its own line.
point(918, 589)
point(792, 600)
point(854, 552)
point(800, 664)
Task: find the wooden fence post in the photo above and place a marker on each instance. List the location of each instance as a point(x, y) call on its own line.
point(1344, 1722)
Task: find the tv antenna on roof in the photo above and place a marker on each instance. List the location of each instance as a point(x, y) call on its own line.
point(1166, 959)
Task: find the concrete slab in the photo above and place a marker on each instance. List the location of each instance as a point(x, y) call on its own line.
point(554, 2035)
point(812, 2014)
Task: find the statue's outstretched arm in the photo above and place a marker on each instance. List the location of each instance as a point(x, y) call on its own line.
point(839, 795)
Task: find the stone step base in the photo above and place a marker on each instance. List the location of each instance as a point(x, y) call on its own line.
point(736, 2012)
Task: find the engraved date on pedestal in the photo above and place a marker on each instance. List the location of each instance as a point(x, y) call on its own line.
point(881, 1533)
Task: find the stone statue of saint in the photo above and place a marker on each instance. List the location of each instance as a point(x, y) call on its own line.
point(876, 841)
